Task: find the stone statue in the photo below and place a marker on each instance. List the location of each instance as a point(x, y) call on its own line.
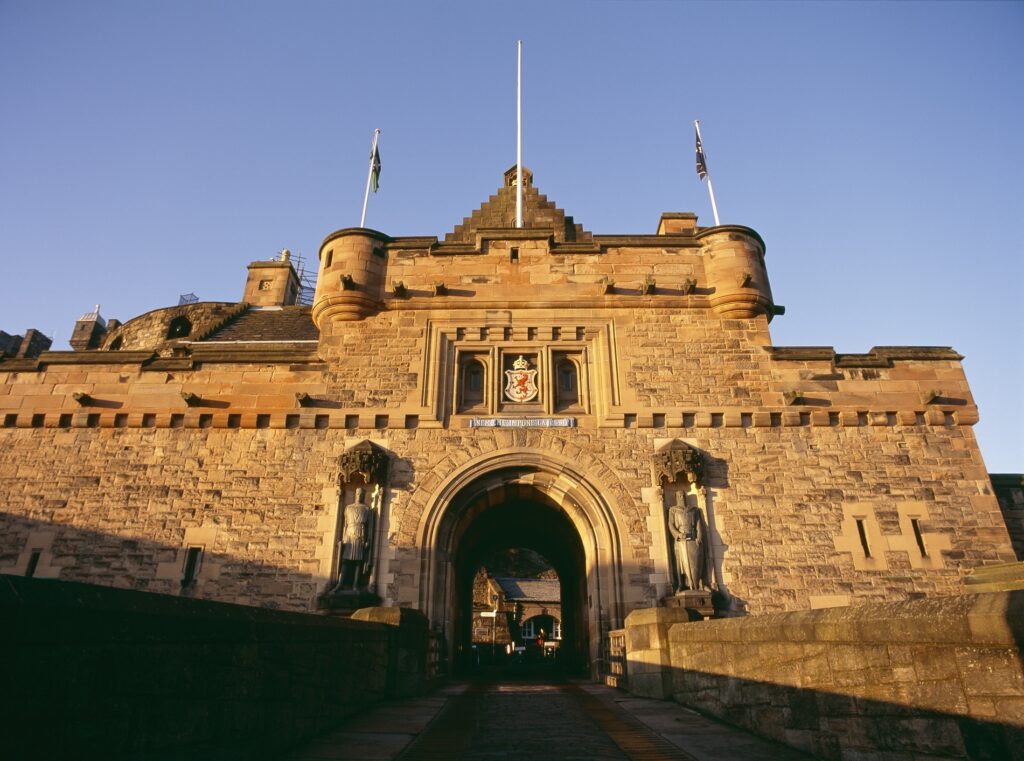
point(689, 532)
point(356, 543)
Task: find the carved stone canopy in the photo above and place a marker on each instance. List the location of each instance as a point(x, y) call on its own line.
point(366, 458)
point(676, 458)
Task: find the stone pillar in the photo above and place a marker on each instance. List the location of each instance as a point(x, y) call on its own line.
point(407, 649)
point(648, 659)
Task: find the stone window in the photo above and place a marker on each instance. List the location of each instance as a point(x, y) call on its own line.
point(193, 560)
point(567, 384)
point(117, 343)
point(180, 327)
point(472, 392)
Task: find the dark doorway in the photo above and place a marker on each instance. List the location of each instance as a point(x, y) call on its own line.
point(518, 526)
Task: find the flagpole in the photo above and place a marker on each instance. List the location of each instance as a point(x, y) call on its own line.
point(369, 177)
point(711, 189)
point(519, 135)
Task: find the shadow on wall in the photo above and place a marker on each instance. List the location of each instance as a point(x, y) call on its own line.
point(53, 550)
point(934, 678)
point(100, 673)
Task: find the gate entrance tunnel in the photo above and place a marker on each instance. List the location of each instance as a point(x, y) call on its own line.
point(494, 537)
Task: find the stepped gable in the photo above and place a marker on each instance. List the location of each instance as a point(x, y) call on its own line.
point(291, 323)
point(499, 211)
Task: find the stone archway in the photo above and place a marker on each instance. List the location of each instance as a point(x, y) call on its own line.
point(536, 500)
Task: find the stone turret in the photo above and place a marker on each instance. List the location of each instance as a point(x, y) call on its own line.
point(353, 265)
point(734, 264)
point(273, 283)
point(89, 331)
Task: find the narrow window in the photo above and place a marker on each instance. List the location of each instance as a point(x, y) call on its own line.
point(10, 420)
point(93, 420)
point(177, 420)
point(263, 421)
point(205, 421)
point(65, 421)
point(148, 420)
point(120, 420)
point(514, 255)
point(33, 563)
point(234, 421)
point(193, 557)
point(659, 420)
point(321, 421)
point(473, 375)
point(863, 537)
point(688, 420)
point(746, 419)
point(916, 523)
point(567, 388)
point(38, 420)
point(291, 421)
point(330, 258)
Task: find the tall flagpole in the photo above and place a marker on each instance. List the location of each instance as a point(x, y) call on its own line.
point(369, 177)
point(711, 189)
point(519, 136)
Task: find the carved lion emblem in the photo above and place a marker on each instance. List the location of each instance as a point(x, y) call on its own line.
point(521, 385)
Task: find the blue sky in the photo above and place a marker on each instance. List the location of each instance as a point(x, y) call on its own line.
point(151, 149)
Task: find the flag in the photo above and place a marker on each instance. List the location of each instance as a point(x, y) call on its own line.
point(375, 168)
point(702, 164)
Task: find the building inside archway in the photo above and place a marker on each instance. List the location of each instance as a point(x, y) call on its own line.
point(520, 569)
point(517, 612)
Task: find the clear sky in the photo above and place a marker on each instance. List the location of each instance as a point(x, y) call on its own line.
point(150, 149)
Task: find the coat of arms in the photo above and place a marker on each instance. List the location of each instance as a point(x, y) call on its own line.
point(521, 386)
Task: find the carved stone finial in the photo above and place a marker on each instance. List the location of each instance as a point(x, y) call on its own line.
point(190, 398)
point(648, 286)
point(676, 458)
point(399, 288)
point(366, 458)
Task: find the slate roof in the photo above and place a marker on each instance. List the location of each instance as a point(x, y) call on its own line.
point(499, 211)
point(530, 590)
point(292, 323)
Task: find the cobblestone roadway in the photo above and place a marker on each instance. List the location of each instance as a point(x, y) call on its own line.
point(570, 721)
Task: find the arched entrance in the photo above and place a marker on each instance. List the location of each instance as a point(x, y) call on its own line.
point(527, 499)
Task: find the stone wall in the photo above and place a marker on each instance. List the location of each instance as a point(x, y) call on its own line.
point(1009, 489)
point(98, 673)
point(937, 678)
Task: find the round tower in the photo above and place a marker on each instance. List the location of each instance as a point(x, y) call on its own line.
point(353, 265)
point(734, 266)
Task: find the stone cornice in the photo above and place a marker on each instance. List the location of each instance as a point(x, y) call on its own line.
point(878, 356)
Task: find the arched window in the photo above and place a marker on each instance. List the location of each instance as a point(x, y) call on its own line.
point(117, 343)
point(473, 383)
point(567, 384)
point(472, 390)
point(180, 327)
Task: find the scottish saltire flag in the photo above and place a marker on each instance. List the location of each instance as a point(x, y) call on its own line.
point(375, 168)
point(702, 164)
